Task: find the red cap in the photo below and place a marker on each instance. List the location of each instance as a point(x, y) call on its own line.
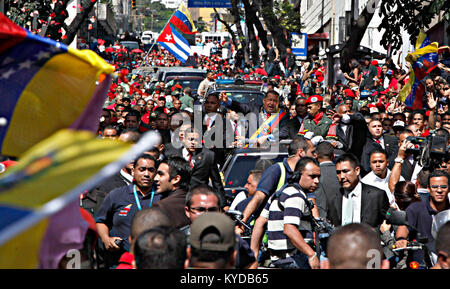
point(314, 99)
point(349, 92)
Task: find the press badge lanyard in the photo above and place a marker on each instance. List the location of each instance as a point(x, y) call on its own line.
point(138, 203)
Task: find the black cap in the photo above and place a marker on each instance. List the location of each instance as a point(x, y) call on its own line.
point(216, 224)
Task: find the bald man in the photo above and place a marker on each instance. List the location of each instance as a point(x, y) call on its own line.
point(354, 246)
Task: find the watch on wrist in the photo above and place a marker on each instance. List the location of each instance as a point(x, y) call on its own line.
point(399, 160)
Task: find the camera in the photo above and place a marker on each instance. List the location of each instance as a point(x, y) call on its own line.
point(418, 142)
point(118, 242)
point(429, 151)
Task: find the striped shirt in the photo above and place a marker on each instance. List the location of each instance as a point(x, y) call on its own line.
point(294, 208)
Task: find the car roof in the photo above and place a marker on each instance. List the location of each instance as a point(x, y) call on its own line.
point(235, 87)
point(183, 77)
point(282, 148)
point(178, 68)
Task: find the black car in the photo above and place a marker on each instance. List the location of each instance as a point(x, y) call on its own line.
point(187, 81)
point(244, 93)
point(241, 161)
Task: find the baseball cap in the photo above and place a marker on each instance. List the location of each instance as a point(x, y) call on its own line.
point(365, 94)
point(314, 99)
point(349, 92)
point(213, 223)
point(398, 125)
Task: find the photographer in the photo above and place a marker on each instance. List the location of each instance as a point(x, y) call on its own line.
point(405, 164)
point(286, 227)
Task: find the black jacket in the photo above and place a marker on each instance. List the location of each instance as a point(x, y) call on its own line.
point(93, 199)
point(374, 205)
point(205, 168)
point(390, 146)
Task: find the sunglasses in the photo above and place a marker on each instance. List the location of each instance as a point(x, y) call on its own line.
point(435, 187)
point(200, 210)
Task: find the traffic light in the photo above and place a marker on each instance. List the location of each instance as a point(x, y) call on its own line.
point(133, 4)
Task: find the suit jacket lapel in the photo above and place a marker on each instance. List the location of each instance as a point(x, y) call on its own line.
point(338, 204)
point(364, 201)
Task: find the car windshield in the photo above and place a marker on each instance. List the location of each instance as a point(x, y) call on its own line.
point(192, 83)
point(246, 97)
point(242, 165)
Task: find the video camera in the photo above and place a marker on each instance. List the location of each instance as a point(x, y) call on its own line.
point(429, 151)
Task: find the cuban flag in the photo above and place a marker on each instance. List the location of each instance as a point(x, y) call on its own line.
point(175, 43)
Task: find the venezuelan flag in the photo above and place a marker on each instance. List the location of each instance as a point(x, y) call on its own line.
point(182, 20)
point(423, 60)
point(49, 177)
point(45, 86)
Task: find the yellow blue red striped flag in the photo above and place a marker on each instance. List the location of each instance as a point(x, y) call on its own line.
point(45, 86)
point(423, 60)
point(48, 177)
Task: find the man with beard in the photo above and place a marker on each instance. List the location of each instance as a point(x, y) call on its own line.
point(120, 205)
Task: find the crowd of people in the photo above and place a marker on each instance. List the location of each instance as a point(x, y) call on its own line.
point(356, 152)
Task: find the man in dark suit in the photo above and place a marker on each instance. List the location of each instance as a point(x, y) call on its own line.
point(355, 202)
point(201, 160)
point(328, 179)
point(351, 131)
point(218, 133)
point(259, 114)
point(93, 199)
point(377, 140)
point(293, 125)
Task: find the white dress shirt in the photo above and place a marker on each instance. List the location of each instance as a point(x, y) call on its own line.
point(374, 180)
point(356, 203)
point(212, 118)
point(186, 155)
point(128, 177)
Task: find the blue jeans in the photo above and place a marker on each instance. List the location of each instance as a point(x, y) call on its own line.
point(269, 69)
point(287, 73)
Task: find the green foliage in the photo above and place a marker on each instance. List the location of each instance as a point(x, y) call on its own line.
point(201, 25)
point(286, 16)
point(160, 15)
point(410, 16)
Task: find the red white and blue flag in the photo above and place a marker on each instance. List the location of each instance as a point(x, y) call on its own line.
point(175, 43)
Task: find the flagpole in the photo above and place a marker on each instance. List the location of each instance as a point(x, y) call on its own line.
point(146, 57)
point(168, 21)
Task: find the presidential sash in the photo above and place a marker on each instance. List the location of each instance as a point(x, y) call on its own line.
point(268, 125)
